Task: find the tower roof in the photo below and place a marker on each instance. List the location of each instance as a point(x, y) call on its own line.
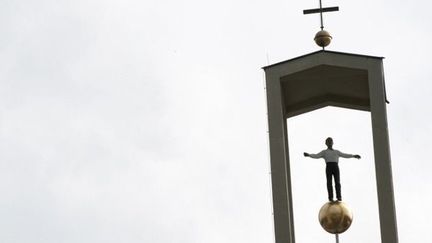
point(324, 78)
point(317, 52)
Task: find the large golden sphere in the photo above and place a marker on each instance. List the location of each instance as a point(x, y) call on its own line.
point(335, 217)
point(323, 38)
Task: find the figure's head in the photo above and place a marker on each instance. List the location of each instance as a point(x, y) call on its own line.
point(329, 142)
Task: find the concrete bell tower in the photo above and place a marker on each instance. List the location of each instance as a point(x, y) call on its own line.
point(313, 81)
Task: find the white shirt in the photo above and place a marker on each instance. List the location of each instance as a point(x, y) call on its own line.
point(331, 155)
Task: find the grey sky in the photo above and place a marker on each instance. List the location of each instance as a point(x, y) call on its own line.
point(145, 121)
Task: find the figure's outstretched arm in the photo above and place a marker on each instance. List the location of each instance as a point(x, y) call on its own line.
point(343, 155)
point(314, 156)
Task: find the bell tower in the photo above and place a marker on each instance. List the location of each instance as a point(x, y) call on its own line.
point(313, 81)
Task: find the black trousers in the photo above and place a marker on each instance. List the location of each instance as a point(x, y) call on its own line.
point(332, 169)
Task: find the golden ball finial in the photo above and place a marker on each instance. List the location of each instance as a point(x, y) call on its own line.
point(335, 217)
point(323, 38)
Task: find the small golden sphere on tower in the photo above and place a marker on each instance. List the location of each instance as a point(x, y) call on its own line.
point(335, 217)
point(323, 38)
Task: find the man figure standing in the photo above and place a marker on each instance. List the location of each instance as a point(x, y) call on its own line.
point(331, 158)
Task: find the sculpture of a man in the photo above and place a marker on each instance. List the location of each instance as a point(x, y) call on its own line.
point(331, 157)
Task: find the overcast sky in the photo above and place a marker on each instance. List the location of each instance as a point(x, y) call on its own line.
point(145, 121)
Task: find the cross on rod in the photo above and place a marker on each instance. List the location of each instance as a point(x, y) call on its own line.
point(320, 10)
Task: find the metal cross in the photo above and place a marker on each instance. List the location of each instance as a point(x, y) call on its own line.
point(320, 10)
